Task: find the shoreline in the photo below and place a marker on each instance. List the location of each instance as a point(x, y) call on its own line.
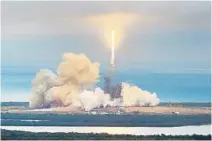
point(158, 110)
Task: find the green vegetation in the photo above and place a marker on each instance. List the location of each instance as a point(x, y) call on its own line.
point(21, 135)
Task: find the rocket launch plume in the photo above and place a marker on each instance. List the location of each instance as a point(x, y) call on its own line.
point(69, 87)
point(113, 49)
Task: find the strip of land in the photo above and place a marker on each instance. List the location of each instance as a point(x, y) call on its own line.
point(20, 135)
point(114, 110)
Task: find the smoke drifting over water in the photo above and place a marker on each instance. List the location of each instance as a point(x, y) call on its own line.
point(71, 87)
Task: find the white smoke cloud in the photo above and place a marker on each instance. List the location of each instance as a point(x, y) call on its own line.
point(96, 99)
point(78, 69)
point(69, 87)
point(43, 81)
point(74, 73)
point(134, 96)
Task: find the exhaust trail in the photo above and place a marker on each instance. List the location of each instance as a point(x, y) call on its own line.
point(113, 50)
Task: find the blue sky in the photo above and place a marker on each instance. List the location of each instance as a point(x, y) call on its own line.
point(170, 37)
point(38, 33)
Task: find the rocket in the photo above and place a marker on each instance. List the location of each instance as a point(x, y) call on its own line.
point(112, 61)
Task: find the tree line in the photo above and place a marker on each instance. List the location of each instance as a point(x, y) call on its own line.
point(21, 135)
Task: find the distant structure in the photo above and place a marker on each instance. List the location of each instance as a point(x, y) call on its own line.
point(179, 105)
point(107, 84)
point(113, 90)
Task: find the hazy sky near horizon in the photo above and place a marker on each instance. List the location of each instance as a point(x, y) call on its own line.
point(169, 37)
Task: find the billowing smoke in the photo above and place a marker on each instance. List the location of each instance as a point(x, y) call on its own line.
point(73, 86)
point(74, 73)
point(96, 99)
point(78, 70)
point(43, 81)
point(134, 96)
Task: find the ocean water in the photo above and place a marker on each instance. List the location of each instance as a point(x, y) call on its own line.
point(107, 120)
point(179, 87)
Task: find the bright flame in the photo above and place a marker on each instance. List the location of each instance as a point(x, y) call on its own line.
point(105, 22)
point(113, 49)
